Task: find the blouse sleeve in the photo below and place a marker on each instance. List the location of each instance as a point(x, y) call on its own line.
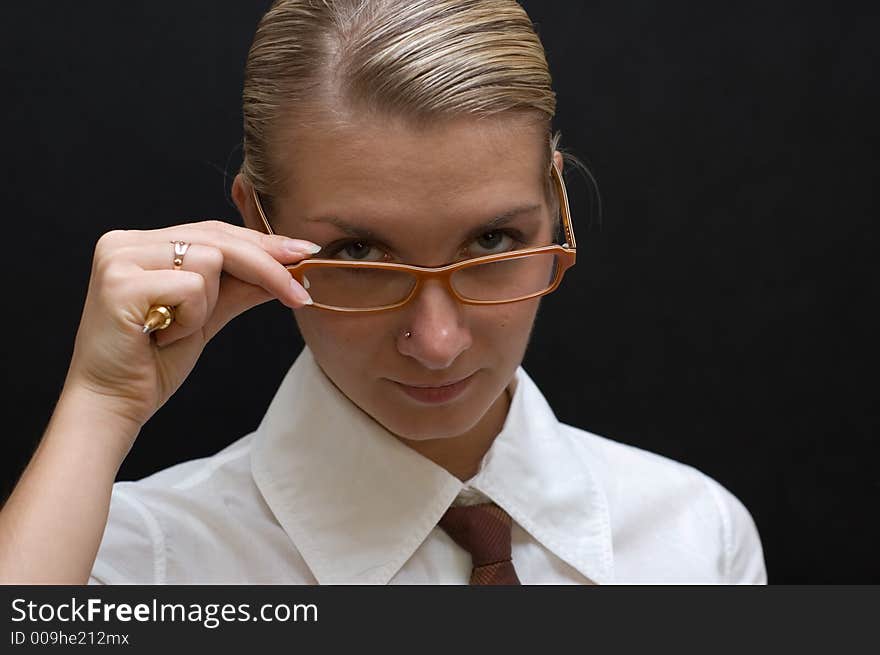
point(743, 556)
point(132, 550)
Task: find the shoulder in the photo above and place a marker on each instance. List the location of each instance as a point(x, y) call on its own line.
point(190, 517)
point(670, 522)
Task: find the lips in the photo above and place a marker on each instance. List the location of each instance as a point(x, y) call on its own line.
point(434, 394)
point(433, 386)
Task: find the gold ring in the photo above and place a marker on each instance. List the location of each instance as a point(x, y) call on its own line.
point(161, 316)
point(180, 248)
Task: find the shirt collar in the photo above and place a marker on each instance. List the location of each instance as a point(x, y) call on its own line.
point(357, 503)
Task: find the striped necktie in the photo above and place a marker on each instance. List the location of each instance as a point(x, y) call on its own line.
point(484, 531)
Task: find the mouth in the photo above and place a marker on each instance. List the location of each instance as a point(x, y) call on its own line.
point(433, 386)
point(435, 394)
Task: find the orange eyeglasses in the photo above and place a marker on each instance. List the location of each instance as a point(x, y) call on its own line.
point(513, 276)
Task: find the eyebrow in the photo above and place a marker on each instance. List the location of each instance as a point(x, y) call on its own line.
point(367, 234)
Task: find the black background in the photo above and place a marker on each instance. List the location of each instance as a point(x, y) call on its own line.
point(719, 315)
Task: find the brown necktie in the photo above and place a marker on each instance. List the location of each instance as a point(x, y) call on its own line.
point(484, 531)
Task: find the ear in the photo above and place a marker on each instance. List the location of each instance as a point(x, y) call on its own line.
point(557, 159)
point(243, 198)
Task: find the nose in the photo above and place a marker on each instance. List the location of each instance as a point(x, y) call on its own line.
point(435, 320)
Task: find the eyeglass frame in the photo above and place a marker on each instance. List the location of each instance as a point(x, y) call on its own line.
point(567, 253)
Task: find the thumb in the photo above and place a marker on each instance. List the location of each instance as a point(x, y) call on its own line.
point(234, 297)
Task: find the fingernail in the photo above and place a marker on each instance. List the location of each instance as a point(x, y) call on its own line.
point(302, 296)
point(299, 246)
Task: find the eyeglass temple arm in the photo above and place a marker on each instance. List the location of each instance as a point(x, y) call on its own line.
point(564, 208)
point(260, 210)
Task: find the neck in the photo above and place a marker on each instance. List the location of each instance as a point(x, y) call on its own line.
point(461, 455)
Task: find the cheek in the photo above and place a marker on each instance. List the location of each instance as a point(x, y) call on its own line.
point(334, 336)
point(517, 321)
point(507, 327)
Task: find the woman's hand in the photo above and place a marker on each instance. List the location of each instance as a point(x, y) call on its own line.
point(226, 271)
point(51, 525)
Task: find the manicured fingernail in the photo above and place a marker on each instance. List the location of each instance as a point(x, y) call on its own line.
point(300, 246)
point(302, 296)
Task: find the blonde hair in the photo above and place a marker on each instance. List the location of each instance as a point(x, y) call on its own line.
point(419, 59)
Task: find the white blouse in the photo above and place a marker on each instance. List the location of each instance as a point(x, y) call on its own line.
point(321, 493)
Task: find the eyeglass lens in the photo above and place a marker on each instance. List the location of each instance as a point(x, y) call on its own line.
point(364, 288)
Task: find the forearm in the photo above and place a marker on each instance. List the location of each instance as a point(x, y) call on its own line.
point(52, 524)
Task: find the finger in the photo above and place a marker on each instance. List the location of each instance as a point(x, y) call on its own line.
point(236, 297)
point(245, 260)
point(207, 261)
point(185, 291)
point(158, 255)
point(279, 246)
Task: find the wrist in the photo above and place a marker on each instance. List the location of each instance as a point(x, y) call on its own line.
point(94, 419)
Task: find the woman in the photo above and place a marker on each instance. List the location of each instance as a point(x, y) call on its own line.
point(408, 146)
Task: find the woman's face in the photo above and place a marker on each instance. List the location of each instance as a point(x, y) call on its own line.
point(420, 192)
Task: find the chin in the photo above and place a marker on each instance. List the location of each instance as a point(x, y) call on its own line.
point(414, 422)
point(439, 423)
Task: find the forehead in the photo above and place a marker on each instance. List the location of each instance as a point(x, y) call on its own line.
point(384, 169)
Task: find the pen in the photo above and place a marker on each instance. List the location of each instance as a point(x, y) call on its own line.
point(158, 318)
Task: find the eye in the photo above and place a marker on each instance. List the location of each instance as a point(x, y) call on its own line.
point(355, 251)
point(361, 250)
point(490, 240)
point(490, 243)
